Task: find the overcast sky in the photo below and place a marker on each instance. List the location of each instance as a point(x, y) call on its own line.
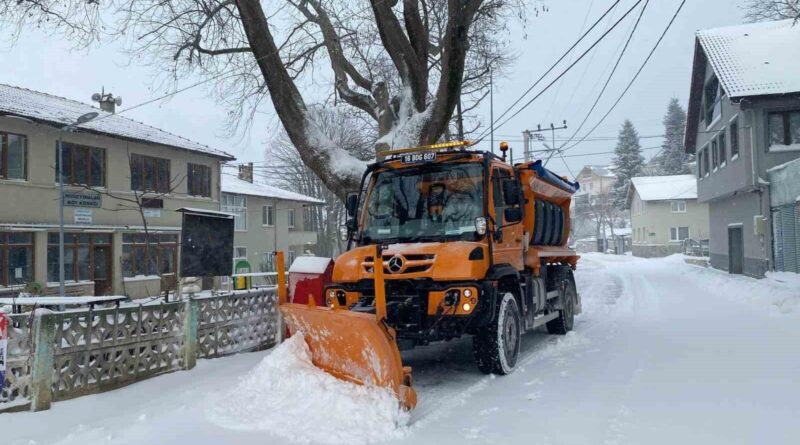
point(50, 65)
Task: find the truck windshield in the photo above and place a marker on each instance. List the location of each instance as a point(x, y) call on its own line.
point(428, 203)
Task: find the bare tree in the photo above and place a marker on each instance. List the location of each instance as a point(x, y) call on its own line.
point(405, 65)
point(348, 131)
point(765, 10)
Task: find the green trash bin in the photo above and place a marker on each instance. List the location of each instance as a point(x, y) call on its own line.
point(241, 283)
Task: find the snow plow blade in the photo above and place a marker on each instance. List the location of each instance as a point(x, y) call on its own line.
point(352, 346)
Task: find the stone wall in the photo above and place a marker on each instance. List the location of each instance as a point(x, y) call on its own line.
point(655, 250)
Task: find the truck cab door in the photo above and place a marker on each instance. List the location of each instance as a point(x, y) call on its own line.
point(508, 247)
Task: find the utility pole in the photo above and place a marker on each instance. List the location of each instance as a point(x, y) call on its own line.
point(536, 134)
point(491, 112)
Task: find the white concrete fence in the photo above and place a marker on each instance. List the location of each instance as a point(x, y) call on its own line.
point(61, 355)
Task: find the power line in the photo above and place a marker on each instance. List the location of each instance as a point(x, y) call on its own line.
point(603, 36)
point(635, 76)
point(610, 76)
point(563, 56)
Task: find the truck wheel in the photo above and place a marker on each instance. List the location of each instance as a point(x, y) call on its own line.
point(496, 347)
point(566, 318)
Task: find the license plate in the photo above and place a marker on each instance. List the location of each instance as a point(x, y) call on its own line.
point(412, 158)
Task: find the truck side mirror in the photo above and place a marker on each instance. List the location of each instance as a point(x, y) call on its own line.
point(351, 204)
point(511, 192)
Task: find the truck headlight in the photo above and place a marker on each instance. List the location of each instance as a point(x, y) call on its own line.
point(480, 225)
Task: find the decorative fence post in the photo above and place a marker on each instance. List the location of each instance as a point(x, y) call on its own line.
point(190, 325)
point(42, 369)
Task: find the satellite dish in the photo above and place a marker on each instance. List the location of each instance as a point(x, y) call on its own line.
point(118, 100)
point(96, 97)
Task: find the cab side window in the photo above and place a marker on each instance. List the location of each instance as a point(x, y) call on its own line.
point(498, 176)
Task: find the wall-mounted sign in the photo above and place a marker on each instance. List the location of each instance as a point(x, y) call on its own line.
point(83, 216)
point(82, 199)
point(152, 213)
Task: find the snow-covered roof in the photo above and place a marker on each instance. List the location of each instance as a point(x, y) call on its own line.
point(756, 58)
point(232, 184)
point(663, 188)
point(59, 111)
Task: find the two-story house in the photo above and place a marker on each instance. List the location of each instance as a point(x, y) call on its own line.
point(117, 171)
point(592, 206)
point(743, 120)
point(664, 213)
point(266, 218)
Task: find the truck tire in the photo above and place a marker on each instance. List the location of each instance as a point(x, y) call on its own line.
point(566, 317)
point(497, 346)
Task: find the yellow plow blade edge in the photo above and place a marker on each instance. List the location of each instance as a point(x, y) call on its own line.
point(353, 347)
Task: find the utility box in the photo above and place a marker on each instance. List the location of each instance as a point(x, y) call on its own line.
point(308, 275)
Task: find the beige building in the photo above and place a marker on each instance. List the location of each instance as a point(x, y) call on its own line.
point(596, 180)
point(117, 171)
point(664, 213)
point(267, 218)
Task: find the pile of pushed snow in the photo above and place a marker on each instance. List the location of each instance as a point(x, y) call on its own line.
point(288, 396)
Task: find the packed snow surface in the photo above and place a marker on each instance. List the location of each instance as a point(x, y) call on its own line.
point(288, 396)
point(664, 353)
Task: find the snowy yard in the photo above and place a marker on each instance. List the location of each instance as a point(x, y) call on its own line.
point(664, 352)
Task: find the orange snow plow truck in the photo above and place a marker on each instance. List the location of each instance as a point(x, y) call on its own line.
point(465, 244)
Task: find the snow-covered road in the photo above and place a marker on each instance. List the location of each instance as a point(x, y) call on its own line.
point(664, 352)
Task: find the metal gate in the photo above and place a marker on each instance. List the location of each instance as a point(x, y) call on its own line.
point(786, 237)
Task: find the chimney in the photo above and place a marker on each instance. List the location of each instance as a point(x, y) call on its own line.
point(246, 172)
point(107, 101)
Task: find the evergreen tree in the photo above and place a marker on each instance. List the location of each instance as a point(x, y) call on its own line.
point(628, 161)
point(673, 160)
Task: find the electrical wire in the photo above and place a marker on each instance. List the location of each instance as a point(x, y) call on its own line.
point(600, 39)
point(482, 135)
point(635, 76)
point(610, 76)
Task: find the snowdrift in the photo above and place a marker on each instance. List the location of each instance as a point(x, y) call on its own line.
point(288, 396)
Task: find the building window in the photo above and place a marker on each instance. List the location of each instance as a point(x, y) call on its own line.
point(714, 155)
point(678, 206)
point(705, 162)
point(268, 215)
point(155, 254)
point(723, 155)
point(13, 156)
point(267, 262)
point(700, 164)
point(82, 165)
point(678, 233)
point(292, 256)
point(239, 253)
point(734, 130)
point(198, 180)
point(80, 250)
point(291, 217)
point(16, 258)
point(713, 101)
point(237, 206)
point(784, 130)
point(149, 174)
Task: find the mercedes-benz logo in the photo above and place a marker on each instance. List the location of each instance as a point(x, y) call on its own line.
point(396, 264)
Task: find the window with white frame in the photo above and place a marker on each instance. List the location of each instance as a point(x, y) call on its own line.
point(292, 256)
point(268, 215)
point(734, 129)
point(784, 130)
point(240, 253)
point(712, 100)
point(678, 233)
point(723, 154)
point(291, 217)
point(678, 206)
point(236, 205)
